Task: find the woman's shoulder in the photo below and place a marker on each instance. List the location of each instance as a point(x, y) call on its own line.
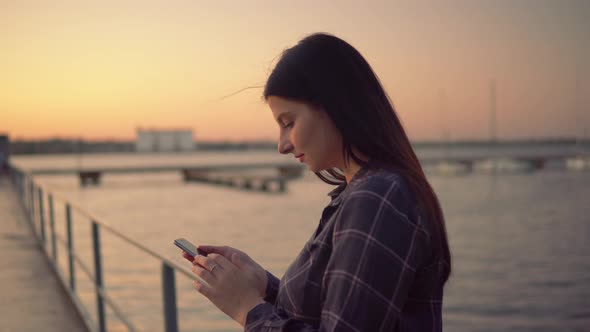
point(383, 183)
point(385, 188)
point(386, 199)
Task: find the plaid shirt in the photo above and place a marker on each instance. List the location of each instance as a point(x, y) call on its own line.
point(369, 266)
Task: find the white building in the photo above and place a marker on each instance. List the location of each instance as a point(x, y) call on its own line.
point(153, 140)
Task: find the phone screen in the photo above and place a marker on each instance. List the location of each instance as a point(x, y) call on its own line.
point(185, 245)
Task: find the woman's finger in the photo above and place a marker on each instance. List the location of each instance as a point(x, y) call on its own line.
point(204, 274)
point(220, 260)
point(202, 288)
point(187, 256)
point(210, 262)
point(222, 250)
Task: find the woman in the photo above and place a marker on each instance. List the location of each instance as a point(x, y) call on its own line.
point(379, 257)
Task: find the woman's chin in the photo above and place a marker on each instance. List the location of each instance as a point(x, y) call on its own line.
point(316, 169)
point(312, 168)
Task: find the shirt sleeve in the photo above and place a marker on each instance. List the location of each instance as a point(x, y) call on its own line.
point(272, 288)
point(376, 252)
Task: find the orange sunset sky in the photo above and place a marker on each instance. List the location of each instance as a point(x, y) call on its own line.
point(100, 69)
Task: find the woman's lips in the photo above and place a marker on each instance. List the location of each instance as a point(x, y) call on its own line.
point(300, 157)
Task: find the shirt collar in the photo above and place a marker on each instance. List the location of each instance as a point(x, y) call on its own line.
point(342, 190)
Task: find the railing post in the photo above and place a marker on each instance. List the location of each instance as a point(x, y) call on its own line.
point(70, 247)
point(12, 175)
point(98, 277)
point(41, 216)
point(21, 188)
point(27, 185)
point(19, 183)
point(169, 298)
point(52, 229)
point(32, 202)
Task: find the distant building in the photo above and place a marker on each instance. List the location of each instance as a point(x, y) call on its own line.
point(4, 152)
point(154, 140)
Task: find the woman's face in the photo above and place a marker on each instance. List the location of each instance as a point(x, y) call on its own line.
point(308, 133)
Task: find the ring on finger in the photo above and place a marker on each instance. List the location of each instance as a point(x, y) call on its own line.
point(213, 268)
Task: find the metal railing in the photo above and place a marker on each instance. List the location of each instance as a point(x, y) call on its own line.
point(32, 197)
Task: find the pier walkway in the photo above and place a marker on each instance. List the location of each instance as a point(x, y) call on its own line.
point(32, 298)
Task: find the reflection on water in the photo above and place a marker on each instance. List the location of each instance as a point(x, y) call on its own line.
point(519, 242)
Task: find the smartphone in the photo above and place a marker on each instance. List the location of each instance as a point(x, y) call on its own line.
point(190, 248)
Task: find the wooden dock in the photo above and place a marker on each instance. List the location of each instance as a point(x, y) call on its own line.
point(33, 298)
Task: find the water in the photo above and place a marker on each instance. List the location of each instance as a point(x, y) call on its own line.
point(520, 243)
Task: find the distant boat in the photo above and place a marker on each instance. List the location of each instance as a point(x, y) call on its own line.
point(503, 166)
point(578, 163)
point(452, 168)
point(447, 167)
point(500, 165)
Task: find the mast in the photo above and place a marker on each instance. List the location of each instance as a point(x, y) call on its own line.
point(580, 130)
point(445, 137)
point(493, 111)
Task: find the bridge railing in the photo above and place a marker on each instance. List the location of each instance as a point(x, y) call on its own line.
point(32, 197)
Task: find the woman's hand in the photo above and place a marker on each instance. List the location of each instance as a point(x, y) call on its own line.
point(252, 270)
point(234, 284)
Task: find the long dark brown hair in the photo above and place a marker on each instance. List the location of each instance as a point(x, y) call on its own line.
point(325, 71)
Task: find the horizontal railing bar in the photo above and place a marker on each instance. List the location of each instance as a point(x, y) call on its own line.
point(176, 266)
point(109, 301)
point(85, 268)
point(181, 269)
point(61, 240)
point(108, 298)
point(105, 296)
point(122, 236)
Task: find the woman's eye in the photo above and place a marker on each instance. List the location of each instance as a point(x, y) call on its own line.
point(288, 125)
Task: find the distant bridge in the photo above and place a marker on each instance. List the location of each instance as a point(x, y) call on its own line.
point(287, 170)
point(201, 173)
point(532, 158)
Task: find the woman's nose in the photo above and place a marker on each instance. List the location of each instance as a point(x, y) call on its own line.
point(284, 146)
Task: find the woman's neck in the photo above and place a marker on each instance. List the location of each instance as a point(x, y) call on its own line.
point(352, 166)
point(351, 170)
